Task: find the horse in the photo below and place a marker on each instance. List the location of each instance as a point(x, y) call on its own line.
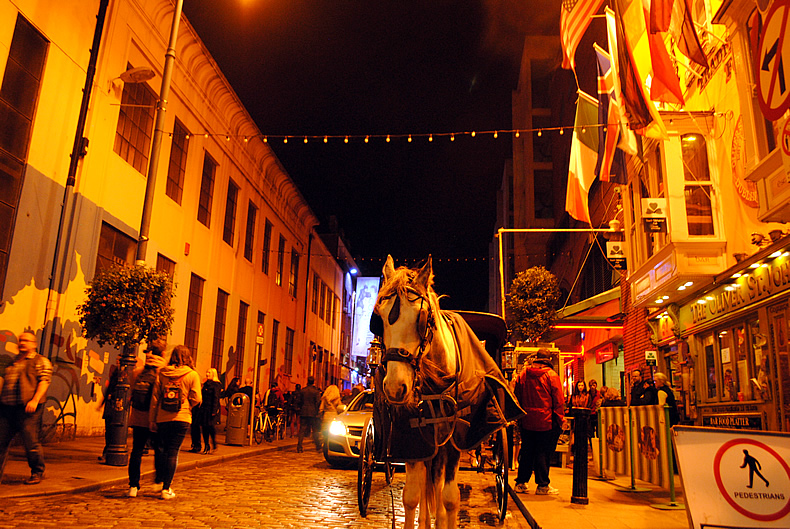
point(437, 380)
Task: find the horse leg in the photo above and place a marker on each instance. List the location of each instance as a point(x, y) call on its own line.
point(450, 497)
point(413, 492)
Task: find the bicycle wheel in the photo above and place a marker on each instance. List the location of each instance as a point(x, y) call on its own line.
point(281, 427)
point(257, 430)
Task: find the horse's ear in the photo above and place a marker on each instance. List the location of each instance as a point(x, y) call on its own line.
point(389, 268)
point(425, 275)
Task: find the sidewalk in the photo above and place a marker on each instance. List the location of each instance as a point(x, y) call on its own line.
point(74, 466)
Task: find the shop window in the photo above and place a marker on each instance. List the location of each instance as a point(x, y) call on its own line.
point(734, 357)
point(711, 378)
point(135, 124)
point(698, 187)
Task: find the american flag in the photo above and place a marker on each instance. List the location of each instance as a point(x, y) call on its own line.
point(576, 16)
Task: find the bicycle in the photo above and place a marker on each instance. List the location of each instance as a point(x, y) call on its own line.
point(266, 428)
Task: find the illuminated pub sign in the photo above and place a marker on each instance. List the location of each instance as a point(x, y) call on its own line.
point(751, 285)
point(605, 353)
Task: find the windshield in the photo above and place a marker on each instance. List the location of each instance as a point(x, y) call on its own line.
point(363, 401)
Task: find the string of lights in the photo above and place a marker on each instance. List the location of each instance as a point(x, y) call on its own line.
point(387, 138)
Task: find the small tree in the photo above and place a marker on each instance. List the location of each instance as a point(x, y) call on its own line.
point(532, 302)
point(126, 305)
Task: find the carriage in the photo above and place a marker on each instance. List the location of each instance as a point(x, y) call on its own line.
point(470, 414)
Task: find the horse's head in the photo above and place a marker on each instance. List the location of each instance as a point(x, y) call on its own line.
point(406, 305)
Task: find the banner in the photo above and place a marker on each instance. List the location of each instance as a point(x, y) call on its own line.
point(367, 290)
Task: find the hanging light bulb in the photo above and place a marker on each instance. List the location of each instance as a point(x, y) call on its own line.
point(205, 135)
point(266, 139)
point(430, 138)
point(540, 133)
point(246, 139)
point(388, 138)
point(409, 138)
point(561, 131)
point(452, 137)
point(584, 130)
point(186, 137)
point(285, 139)
point(517, 134)
point(227, 138)
point(326, 139)
point(305, 139)
point(496, 134)
point(474, 134)
point(345, 140)
point(367, 139)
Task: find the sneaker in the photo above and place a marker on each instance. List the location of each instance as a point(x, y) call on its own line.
point(158, 486)
point(521, 488)
point(548, 489)
point(34, 479)
point(133, 492)
point(168, 494)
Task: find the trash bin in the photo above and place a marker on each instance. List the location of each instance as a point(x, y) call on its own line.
point(238, 419)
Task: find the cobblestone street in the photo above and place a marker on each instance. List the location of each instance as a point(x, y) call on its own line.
point(276, 489)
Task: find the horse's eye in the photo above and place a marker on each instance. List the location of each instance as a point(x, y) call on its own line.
point(413, 297)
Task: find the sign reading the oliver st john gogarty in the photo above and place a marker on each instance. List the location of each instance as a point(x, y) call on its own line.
point(754, 285)
point(733, 478)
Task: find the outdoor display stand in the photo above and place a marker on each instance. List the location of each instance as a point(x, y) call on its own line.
point(734, 478)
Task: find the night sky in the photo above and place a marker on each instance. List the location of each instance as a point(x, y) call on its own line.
point(356, 67)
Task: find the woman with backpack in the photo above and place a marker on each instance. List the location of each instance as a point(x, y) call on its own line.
point(176, 392)
point(140, 403)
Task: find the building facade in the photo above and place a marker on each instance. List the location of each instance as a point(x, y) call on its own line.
point(227, 223)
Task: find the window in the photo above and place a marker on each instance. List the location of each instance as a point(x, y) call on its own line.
point(652, 185)
point(335, 304)
point(249, 234)
point(168, 266)
point(293, 280)
point(177, 166)
point(698, 187)
point(267, 247)
point(218, 343)
point(135, 123)
point(289, 350)
point(230, 213)
point(193, 314)
point(733, 355)
point(115, 248)
point(322, 303)
point(241, 338)
point(273, 355)
point(18, 99)
point(316, 283)
point(206, 190)
point(278, 278)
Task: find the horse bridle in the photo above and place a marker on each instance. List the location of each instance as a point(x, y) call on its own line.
point(425, 325)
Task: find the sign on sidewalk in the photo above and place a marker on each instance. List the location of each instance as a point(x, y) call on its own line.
point(734, 478)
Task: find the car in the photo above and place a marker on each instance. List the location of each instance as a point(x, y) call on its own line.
point(345, 431)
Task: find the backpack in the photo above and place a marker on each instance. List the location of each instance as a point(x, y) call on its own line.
point(142, 389)
point(171, 395)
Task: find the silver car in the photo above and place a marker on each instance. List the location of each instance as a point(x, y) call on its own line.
point(345, 431)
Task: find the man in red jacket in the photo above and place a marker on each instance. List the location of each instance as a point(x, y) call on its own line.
point(539, 391)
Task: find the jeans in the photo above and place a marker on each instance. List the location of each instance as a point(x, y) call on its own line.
point(308, 424)
point(14, 420)
point(535, 455)
point(171, 436)
point(140, 436)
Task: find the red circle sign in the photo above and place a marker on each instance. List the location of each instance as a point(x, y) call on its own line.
point(745, 502)
point(773, 76)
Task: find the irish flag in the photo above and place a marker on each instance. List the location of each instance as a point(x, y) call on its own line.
point(584, 155)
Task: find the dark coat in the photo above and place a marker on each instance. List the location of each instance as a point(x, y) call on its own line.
point(311, 401)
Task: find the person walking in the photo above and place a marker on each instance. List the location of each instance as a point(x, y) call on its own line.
point(176, 392)
point(331, 405)
point(296, 409)
point(108, 401)
point(310, 423)
point(142, 384)
point(539, 392)
point(23, 391)
point(210, 410)
point(754, 468)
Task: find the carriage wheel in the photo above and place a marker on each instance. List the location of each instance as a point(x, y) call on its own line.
point(500, 463)
point(365, 467)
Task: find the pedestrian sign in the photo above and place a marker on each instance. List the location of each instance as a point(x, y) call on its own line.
point(773, 76)
point(651, 358)
point(750, 471)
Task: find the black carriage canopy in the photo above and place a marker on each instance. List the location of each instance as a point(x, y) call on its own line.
point(485, 402)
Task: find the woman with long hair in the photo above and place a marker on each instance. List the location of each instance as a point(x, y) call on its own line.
point(176, 392)
point(212, 392)
point(580, 398)
point(331, 405)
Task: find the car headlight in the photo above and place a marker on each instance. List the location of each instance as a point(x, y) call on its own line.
point(338, 428)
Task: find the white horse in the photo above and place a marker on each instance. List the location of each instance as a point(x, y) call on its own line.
point(420, 359)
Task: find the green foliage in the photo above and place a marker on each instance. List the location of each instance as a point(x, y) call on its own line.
point(532, 302)
point(127, 305)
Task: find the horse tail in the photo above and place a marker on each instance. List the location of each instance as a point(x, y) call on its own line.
point(430, 484)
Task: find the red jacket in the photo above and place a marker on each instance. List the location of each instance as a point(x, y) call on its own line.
point(539, 391)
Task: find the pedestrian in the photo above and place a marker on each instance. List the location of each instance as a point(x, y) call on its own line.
point(176, 392)
point(296, 406)
point(596, 397)
point(611, 398)
point(666, 396)
point(273, 403)
point(539, 392)
point(142, 388)
point(580, 398)
point(643, 392)
point(310, 422)
point(212, 393)
point(109, 396)
point(23, 391)
point(331, 405)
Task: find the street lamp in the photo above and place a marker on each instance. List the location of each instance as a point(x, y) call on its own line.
point(508, 359)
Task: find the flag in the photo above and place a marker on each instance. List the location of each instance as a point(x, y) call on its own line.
point(660, 15)
point(665, 85)
point(685, 34)
point(642, 115)
point(627, 141)
point(575, 17)
point(584, 154)
point(608, 115)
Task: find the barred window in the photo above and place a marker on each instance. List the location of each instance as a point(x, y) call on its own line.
point(206, 190)
point(230, 213)
point(177, 166)
point(194, 304)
